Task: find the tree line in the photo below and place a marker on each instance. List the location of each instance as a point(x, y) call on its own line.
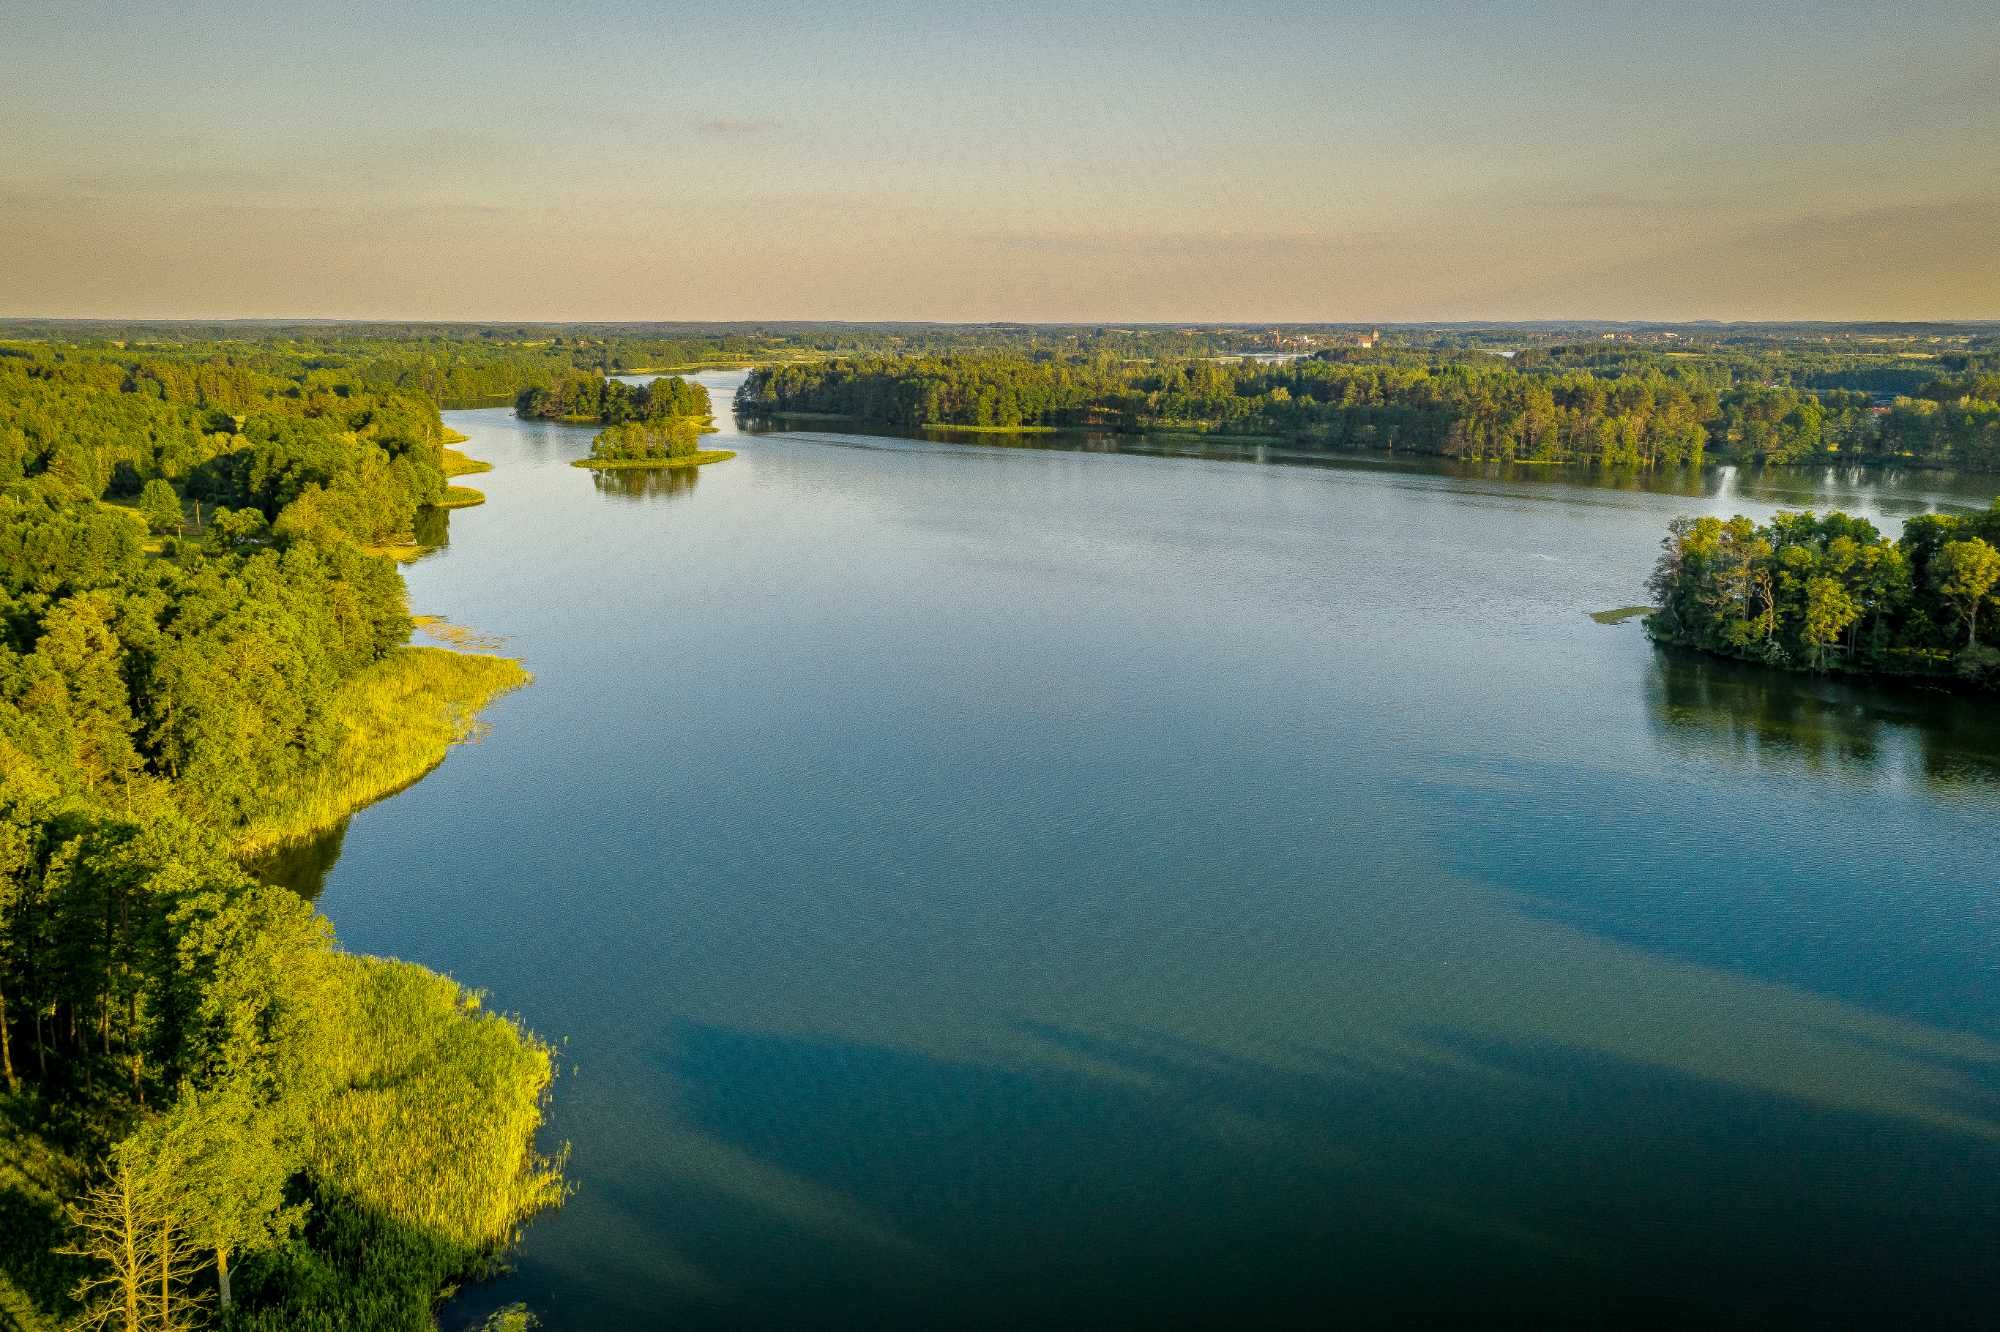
point(1831, 593)
point(581, 397)
point(1640, 411)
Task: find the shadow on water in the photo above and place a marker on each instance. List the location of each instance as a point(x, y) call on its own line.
point(1766, 720)
point(433, 529)
point(302, 866)
point(1478, 1190)
point(1878, 890)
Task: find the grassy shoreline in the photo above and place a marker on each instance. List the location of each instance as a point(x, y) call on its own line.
point(461, 497)
point(992, 429)
point(700, 459)
point(398, 720)
point(459, 464)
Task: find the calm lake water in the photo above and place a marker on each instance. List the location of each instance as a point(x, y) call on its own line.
point(977, 886)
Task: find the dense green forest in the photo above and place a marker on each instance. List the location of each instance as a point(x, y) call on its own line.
point(1831, 593)
point(582, 397)
point(1560, 405)
point(209, 1114)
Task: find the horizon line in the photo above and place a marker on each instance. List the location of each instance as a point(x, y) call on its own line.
point(1537, 320)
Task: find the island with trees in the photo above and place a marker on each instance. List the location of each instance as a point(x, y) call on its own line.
point(673, 441)
point(1831, 593)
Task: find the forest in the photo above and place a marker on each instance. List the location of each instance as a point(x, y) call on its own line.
point(583, 397)
point(212, 1115)
point(1831, 593)
point(1621, 407)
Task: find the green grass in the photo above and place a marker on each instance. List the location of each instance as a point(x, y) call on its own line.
point(461, 497)
point(1620, 614)
point(397, 718)
point(458, 464)
point(460, 1092)
point(454, 437)
point(642, 464)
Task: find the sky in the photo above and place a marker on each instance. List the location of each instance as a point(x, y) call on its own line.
point(1092, 162)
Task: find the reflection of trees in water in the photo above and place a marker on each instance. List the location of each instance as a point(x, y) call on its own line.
point(1898, 491)
point(642, 483)
point(1765, 719)
point(302, 866)
point(432, 528)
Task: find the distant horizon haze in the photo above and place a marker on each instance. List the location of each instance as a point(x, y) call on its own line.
point(1122, 161)
point(778, 321)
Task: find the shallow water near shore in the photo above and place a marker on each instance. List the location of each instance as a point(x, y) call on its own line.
point(990, 886)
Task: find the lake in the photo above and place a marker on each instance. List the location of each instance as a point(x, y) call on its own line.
point(987, 886)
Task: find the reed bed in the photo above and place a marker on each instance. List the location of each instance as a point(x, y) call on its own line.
point(458, 464)
point(397, 718)
point(458, 1091)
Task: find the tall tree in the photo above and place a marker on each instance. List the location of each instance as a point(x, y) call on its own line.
point(161, 506)
point(1966, 572)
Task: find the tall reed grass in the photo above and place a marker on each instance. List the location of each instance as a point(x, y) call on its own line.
point(458, 464)
point(435, 1119)
point(397, 719)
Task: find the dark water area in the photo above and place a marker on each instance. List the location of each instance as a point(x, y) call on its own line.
point(987, 886)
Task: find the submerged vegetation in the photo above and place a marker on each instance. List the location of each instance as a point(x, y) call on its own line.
point(1830, 593)
point(209, 1114)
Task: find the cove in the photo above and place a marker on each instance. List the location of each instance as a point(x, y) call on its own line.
point(996, 886)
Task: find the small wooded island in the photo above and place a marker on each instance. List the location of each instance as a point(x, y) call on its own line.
point(673, 441)
point(1833, 594)
point(659, 424)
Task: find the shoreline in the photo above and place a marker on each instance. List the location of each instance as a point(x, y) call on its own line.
point(1940, 682)
point(399, 720)
point(401, 716)
point(701, 459)
point(1302, 448)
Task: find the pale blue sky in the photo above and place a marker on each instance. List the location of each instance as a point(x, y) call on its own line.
point(1114, 161)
